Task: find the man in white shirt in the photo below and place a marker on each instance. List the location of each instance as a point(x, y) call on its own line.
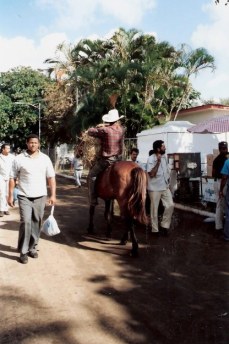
point(158, 188)
point(6, 160)
point(77, 166)
point(32, 169)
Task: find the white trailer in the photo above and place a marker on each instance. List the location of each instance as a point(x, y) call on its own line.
point(178, 140)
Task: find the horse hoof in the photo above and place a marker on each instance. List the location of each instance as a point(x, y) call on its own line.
point(134, 254)
point(91, 231)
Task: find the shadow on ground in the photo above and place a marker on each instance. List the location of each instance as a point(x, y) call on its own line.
point(177, 288)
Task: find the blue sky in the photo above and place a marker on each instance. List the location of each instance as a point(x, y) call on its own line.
point(30, 30)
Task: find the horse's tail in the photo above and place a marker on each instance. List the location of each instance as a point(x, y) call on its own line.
point(137, 195)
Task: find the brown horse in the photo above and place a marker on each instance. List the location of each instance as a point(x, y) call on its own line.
point(124, 181)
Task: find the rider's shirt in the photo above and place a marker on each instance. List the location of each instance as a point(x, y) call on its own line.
point(111, 139)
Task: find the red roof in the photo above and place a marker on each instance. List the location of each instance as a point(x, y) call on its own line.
point(213, 125)
point(204, 108)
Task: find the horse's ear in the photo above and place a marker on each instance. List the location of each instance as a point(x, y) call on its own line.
point(113, 99)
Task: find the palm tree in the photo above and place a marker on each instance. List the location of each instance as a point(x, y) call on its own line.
point(191, 62)
point(130, 71)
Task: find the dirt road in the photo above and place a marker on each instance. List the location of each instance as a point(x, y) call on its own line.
point(87, 290)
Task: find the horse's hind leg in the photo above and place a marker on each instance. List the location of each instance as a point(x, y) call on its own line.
point(134, 251)
point(130, 225)
point(125, 236)
point(91, 228)
point(108, 216)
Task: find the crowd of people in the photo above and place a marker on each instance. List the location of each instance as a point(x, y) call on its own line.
point(30, 171)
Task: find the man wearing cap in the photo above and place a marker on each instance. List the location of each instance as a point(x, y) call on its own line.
point(217, 166)
point(111, 135)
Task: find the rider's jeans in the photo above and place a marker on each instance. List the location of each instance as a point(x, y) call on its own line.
point(100, 165)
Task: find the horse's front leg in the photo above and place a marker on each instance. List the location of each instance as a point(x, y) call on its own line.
point(108, 216)
point(134, 251)
point(91, 228)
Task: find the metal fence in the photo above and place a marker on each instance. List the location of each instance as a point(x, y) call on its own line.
point(62, 155)
point(61, 158)
point(128, 145)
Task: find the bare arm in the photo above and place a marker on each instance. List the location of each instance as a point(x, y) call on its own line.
point(154, 170)
point(52, 186)
point(96, 132)
point(12, 183)
point(222, 184)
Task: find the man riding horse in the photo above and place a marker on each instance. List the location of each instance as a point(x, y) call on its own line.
point(124, 181)
point(111, 135)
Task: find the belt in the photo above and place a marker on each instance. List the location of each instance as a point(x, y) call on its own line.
point(110, 157)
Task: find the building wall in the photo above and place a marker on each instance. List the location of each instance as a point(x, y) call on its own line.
point(202, 114)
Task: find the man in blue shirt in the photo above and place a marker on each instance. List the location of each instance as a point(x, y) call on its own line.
point(216, 173)
point(224, 180)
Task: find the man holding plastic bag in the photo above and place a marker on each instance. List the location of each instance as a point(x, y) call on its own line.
point(32, 169)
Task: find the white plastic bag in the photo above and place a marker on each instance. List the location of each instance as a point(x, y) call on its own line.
point(50, 226)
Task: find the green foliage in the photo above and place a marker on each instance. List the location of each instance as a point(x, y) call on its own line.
point(226, 2)
point(148, 78)
point(145, 80)
point(224, 101)
point(19, 87)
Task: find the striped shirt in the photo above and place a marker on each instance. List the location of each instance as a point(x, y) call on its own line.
point(111, 139)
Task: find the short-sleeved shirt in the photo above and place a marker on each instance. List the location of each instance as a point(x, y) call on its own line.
point(77, 164)
point(111, 139)
point(32, 174)
point(217, 166)
point(6, 162)
point(161, 181)
point(225, 169)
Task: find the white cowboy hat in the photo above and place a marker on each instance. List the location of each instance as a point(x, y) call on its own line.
point(112, 116)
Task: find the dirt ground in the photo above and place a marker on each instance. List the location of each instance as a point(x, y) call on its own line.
point(87, 290)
